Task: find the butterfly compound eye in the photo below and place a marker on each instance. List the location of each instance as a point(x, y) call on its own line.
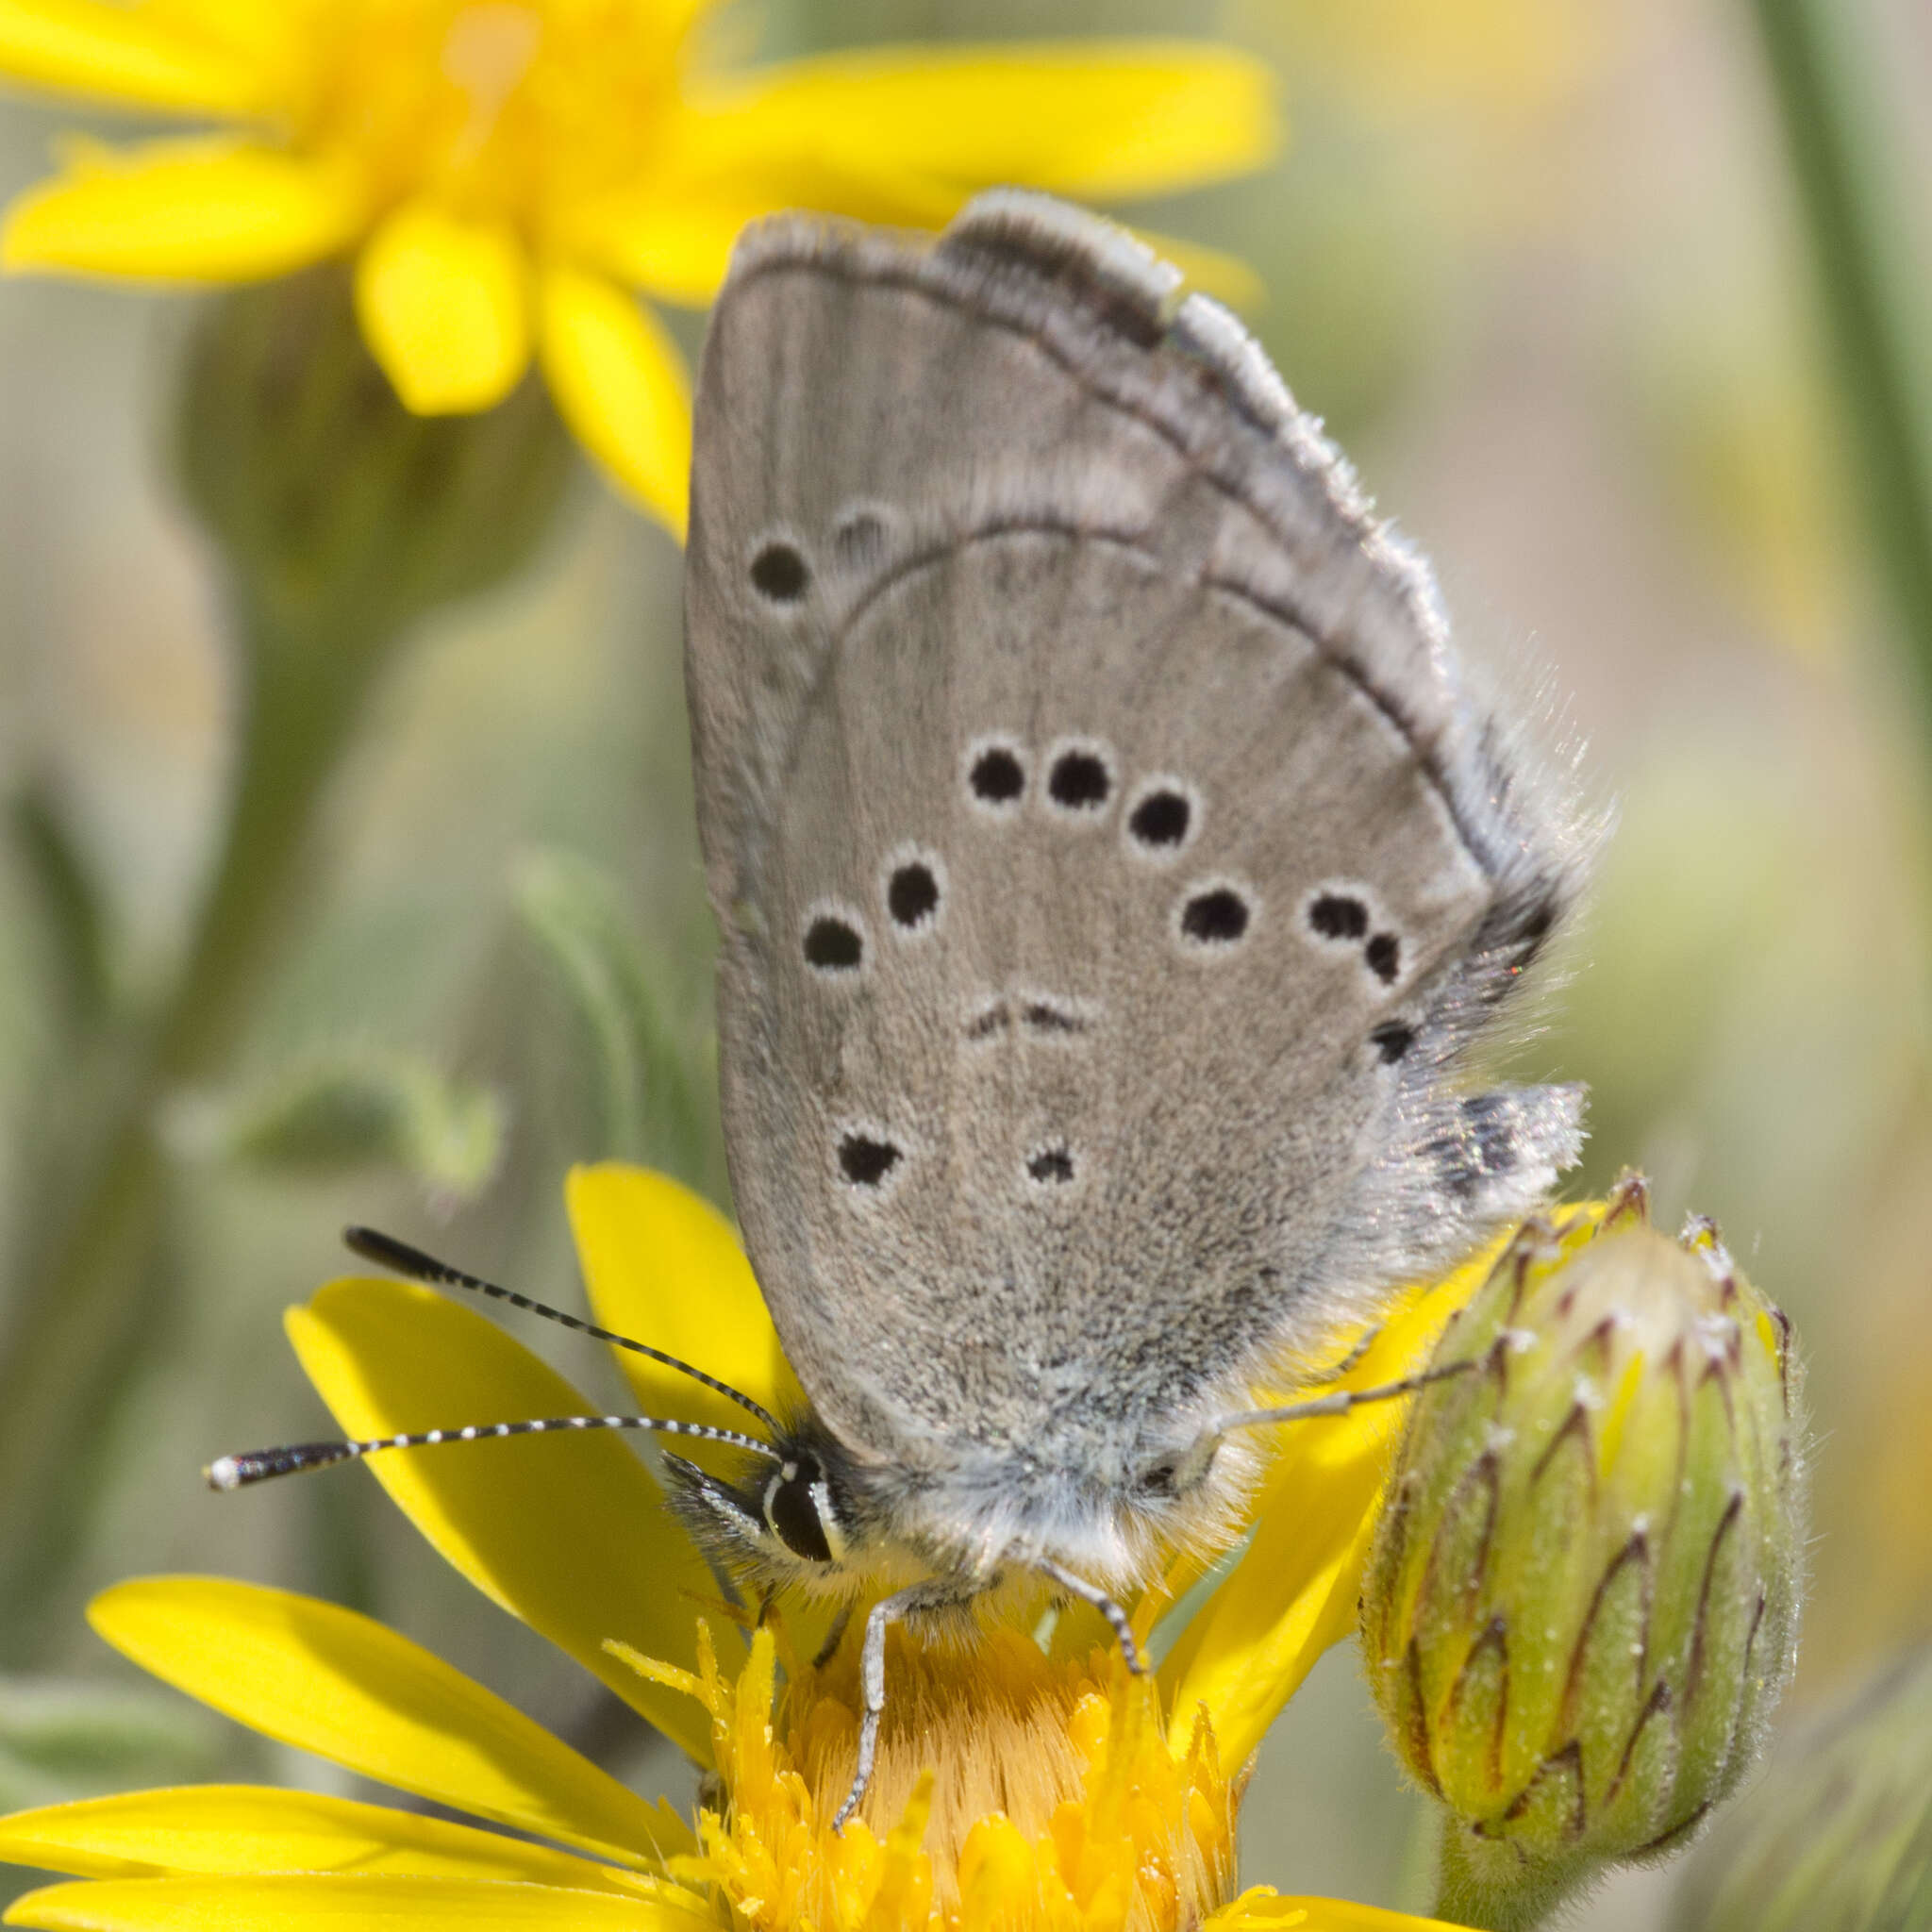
point(796, 1500)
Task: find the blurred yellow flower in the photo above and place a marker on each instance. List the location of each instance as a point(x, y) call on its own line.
point(1399, 58)
point(506, 171)
point(1016, 1786)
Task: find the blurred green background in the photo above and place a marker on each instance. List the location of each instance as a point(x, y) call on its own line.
point(1543, 266)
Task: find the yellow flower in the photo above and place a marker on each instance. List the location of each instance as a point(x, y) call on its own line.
point(1399, 58)
point(1016, 1786)
point(508, 170)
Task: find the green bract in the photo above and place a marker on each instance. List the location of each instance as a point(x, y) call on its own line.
point(1838, 1832)
point(1582, 1604)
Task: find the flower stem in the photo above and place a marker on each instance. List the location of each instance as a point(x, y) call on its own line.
point(82, 1303)
point(340, 520)
point(1465, 1897)
point(1855, 241)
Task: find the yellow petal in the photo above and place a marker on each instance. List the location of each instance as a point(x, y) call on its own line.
point(673, 241)
point(119, 54)
point(300, 1904)
point(620, 385)
point(445, 307)
point(1095, 118)
point(663, 1265)
point(342, 1685)
point(1294, 1593)
point(237, 1828)
point(1267, 1911)
point(191, 210)
point(673, 236)
point(568, 1532)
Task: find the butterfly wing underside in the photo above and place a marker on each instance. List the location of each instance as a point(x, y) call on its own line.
point(1108, 860)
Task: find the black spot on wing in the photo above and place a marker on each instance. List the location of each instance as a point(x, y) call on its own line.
point(865, 1161)
point(1160, 820)
point(912, 895)
point(1051, 1166)
point(1217, 917)
point(986, 1021)
point(997, 776)
point(1392, 1039)
point(1079, 781)
point(1338, 916)
point(1050, 1016)
point(779, 574)
point(833, 944)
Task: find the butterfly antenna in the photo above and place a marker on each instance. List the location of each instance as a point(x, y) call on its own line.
point(238, 1471)
point(387, 1252)
point(1342, 1400)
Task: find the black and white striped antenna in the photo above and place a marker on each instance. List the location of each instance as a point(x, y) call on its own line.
point(257, 1465)
point(387, 1252)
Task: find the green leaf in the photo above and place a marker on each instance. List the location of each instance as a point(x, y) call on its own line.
point(358, 1107)
point(69, 905)
point(60, 1739)
point(651, 1101)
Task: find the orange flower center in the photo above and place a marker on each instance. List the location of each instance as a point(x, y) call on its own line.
point(1011, 1787)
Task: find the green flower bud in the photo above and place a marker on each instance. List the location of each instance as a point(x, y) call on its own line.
point(1839, 1833)
point(1582, 1604)
point(342, 515)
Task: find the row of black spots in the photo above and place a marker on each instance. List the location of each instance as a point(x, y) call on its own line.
point(869, 1159)
point(1341, 916)
point(781, 573)
point(1081, 783)
point(912, 888)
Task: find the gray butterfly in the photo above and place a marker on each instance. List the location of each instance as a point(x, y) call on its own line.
point(1112, 871)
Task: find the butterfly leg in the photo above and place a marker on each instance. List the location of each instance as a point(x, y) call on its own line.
point(1342, 1400)
point(1363, 1343)
point(834, 1637)
point(1117, 1618)
point(872, 1676)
